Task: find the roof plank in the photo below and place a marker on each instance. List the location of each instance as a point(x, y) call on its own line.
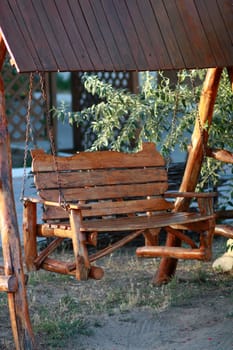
point(226, 9)
point(61, 37)
point(208, 27)
point(180, 33)
point(119, 34)
point(219, 30)
point(72, 30)
point(167, 34)
point(154, 34)
point(11, 23)
point(142, 33)
point(131, 34)
point(36, 31)
point(48, 30)
point(195, 33)
point(94, 29)
point(90, 44)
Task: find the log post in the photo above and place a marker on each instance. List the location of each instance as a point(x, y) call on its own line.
point(193, 166)
point(17, 301)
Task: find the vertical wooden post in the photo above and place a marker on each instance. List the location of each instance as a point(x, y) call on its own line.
point(29, 235)
point(230, 73)
point(17, 301)
point(193, 166)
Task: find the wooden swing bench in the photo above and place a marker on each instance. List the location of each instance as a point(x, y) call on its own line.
point(109, 192)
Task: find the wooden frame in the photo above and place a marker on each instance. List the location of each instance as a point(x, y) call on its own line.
point(109, 192)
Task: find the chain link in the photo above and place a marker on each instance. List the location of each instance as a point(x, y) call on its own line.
point(174, 115)
point(198, 118)
point(62, 200)
point(28, 132)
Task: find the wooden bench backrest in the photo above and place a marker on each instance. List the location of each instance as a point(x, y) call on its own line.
point(114, 182)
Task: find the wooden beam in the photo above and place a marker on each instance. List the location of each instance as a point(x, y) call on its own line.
point(220, 154)
point(174, 252)
point(2, 51)
point(8, 284)
point(193, 166)
point(230, 73)
point(18, 307)
point(224, 230)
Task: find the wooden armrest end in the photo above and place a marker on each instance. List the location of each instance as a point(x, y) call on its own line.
point(190, 194)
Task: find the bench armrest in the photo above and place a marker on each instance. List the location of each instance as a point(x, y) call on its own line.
point(66, 206)
point(191, 194)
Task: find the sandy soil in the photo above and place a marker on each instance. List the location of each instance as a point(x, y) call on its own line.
point(125, 312)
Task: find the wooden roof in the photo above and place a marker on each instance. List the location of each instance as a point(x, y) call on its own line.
point(115, 35)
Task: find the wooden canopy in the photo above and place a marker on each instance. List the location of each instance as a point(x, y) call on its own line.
point(115, 35)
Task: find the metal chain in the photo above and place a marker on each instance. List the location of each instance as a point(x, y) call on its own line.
point(62, 201)
point(198, 118)
point(205, 159)
point(174, 115)
point(28, 132)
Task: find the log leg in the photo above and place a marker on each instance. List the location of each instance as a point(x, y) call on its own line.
point(18, 306)
point(29, 235)
point(193, 167)
point(79, 246)
point(151, 236)
point(167, 267)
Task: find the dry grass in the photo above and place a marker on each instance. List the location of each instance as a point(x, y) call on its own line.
point(61, 308)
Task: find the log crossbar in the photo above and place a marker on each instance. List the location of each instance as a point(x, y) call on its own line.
point(110, 192)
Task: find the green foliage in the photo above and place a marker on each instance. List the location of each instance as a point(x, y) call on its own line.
point(160, 112)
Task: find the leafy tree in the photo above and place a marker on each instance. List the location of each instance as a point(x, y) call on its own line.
point(160, 112)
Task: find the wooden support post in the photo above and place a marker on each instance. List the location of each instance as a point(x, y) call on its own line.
point(18, 306)
point(193, 167)
point(29, 235)
point(79, 246)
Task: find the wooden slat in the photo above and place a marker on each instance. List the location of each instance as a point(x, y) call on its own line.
point(119, 34)
point(36, 30)
point(132, 223)
point(18, 46)
point(131, 35)
point(73, 33)
point(98, 160)
point(55, 16)
point(103, 192)
point(99, 177)
point(179, 31)
point(108, 35)
point(154, 34)
point(90, 44)
point(167, 33)
point(142, 34)
point(213, 38)
point(196, 35)
point(226, 9)
point(53, 41)
point(219, 29)
point(95, 31)
point(112, 208)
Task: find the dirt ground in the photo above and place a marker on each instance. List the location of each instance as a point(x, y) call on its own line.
point(125, 311)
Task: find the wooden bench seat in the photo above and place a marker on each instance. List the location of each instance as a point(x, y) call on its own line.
point(105, 191)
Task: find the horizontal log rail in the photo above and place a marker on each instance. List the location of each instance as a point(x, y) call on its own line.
point(220, 154)
point(224, 230)
point(171, 252)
